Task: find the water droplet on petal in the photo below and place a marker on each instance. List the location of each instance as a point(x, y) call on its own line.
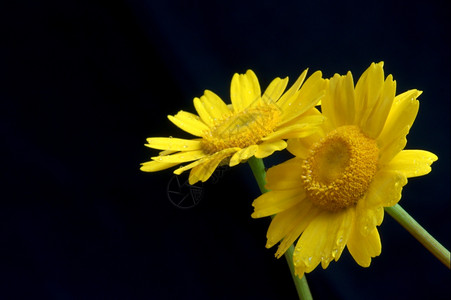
point(334, 252)
point(297, 251)
point(365, 229)
point(308, 261)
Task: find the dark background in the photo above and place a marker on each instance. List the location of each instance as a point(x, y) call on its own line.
point(83, 83)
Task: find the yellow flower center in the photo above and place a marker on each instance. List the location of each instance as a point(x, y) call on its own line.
point(242, 129)
point(340, 168)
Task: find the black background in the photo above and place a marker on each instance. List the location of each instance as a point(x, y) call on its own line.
point(83, 83)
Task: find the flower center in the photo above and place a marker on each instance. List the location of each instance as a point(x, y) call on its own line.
point(242, 129)
point(340, 168)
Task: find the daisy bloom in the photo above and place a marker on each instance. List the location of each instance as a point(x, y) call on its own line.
point(332, 194)
point(253, 125)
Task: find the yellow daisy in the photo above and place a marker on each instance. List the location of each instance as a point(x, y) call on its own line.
point(253, 125)
point(332, 193)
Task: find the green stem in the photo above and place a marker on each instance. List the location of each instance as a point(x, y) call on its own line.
point(415, 229)
point(258, 169)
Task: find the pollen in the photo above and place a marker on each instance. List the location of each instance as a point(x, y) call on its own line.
point(340, 168)
point(242, 129)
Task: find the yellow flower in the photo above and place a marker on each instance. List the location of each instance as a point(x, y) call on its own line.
point(332, 193)
point(253, 125)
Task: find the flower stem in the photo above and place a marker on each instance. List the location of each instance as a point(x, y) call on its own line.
point(415, 229)
point(258, 169)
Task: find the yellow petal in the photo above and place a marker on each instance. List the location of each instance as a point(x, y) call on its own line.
point(323, 240)
point(173, 144)
point(215, 107)
point(244, 90)
point(242, 155)
point(307, 97)
point(203, 113)
point(181, 157)
point(385, 189)
point(412, 163)
point(368, 218)
point(287, 97)
point(338, 104)
point(204, 170)
point(391, 148)
point(154, 166)
point(399, 120)
point(339, 228)
point(266, 149)
point(363, 248)
point(305, 126)
point(190, 166)
point(306, 212)
point(189, 122)
point(223, 154)
point(286, 175)
point(301, 147)
point(367, 91)
point(369, 212)
point(273, 202)
point(274, 90)
point(372, 124)
point(284, 222)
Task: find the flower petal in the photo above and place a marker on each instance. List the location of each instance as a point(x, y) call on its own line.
point(273, 202)
point(243, 154)
point(301, 147)
point(367, 91)
point(244, 90)
point(284, 222)
point(181, 156)
point(399, 120)
point(372, 124)
point(323, 240)
point(214, 105)
point(154, 166)
point(182, 169)
point(363, 248)
point(286, 98)
point(339, 228)
point(189, 122)
point(204, 170)
point(303, 127)
point(385, 189)
point(394, 146)
point(286, 175)
point(339, 100)
point(274, 90)
point(307, 97)
point(203, 112)
point(300, 216)
point(266, 149)
point(173, 144)
point(368, 218)
point(223, 153)
point(412, 163)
